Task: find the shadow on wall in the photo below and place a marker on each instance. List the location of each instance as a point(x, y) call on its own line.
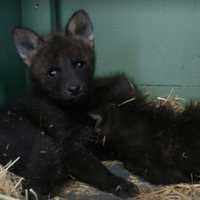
point(12, 71)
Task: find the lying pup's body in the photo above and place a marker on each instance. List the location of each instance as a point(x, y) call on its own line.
point(155, 142)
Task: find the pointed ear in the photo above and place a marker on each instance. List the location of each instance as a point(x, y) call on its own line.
point(27, 43)
point(80, 26)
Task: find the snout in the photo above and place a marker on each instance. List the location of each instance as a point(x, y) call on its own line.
point(74, 90)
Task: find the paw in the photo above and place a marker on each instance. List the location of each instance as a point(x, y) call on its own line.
point(126, 189)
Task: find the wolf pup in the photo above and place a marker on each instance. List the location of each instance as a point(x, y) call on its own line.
point(46, 128)
point(154, 141)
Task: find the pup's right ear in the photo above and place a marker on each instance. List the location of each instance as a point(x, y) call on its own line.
point(27, 43)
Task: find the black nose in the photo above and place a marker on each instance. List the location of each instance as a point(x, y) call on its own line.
point(74, 90)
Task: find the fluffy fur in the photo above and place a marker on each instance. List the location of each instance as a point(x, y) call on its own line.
point(154, 142)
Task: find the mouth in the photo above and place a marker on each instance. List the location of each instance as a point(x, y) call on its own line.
point(76, 98)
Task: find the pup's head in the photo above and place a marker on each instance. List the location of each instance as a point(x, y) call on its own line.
point(61, 65)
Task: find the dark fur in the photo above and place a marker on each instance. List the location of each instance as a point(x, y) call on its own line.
point(47, 128)
point(155, 142)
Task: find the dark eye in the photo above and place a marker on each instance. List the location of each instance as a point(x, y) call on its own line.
point(79, 64)
point(52, 72)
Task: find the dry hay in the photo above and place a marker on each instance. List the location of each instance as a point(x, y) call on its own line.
point(10, 187)
point(171, 101)
point(10, 184)
point(173, 192)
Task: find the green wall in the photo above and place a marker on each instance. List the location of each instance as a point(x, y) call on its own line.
point(156, 42)
point(37, 15)
point(11, 68)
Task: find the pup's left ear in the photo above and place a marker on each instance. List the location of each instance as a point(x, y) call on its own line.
point(80, 26)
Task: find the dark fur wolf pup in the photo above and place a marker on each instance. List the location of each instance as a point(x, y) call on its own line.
point(46, 128)
point(154, 142)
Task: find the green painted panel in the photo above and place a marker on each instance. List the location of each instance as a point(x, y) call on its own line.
point(156, 42)
point(11, 68)
point(37, 15)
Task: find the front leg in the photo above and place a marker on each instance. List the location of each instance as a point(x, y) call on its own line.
point(83, 165)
